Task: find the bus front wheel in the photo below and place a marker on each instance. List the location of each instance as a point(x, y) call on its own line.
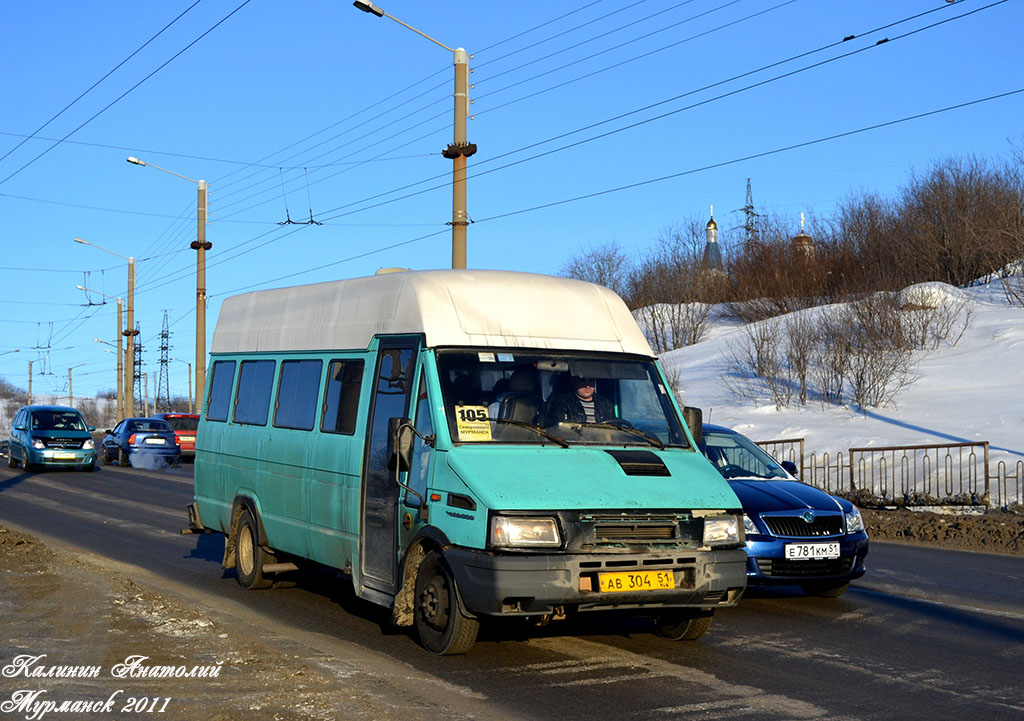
point(442, 624)
point(250, 557)
point(683, 626)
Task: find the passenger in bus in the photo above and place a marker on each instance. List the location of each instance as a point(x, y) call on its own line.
point(521, 402)
point(583, 405)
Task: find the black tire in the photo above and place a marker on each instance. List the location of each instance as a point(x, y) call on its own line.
point(90, 468)
point(441, 621)
point(684, 626)
point(122, 458)
point(250, 556)
point(107, 460)
point(12, 462)
point(825, 589)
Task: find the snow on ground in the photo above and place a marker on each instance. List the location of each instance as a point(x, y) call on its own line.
point(971, 392)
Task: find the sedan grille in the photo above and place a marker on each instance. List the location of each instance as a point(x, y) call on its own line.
point(797, 569)
point(797, 527)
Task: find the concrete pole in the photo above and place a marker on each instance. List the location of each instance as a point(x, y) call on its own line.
point(460, 215)
point(30, 382)
point(120, 362)
point(201, 247)
point(129, 351)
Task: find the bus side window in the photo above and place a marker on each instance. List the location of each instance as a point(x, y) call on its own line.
point(297, 394)
point(341, 398)
point(221, 379)
point(255, 384)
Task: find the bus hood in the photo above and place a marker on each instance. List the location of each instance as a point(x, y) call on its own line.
point(549, 477)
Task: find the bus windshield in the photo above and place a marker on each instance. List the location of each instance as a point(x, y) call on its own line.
point(541, 397)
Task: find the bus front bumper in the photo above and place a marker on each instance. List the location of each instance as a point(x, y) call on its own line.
point(541, 584)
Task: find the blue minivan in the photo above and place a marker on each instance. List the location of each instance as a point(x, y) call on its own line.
point(51, 436)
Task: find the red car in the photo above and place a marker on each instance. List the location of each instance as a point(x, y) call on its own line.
point(184, 425)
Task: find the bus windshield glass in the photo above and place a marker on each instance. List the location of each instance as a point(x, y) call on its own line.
point(541, 397)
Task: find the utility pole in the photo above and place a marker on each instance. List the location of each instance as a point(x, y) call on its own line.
point(30, 383)
point(130, 354)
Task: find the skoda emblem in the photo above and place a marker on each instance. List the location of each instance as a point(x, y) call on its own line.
point(808, 516)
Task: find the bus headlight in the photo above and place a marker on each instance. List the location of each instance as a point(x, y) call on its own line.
point(722, 531)
point(519, 531)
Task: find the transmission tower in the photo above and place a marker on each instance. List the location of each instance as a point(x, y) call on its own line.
point(162, 399)
point(137, 366)
point(750, 217)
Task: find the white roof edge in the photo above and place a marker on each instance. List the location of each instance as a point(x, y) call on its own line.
point(487, 308)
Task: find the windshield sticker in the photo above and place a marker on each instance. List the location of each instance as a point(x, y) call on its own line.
point(486, 357)
point(472, 423)
point(506, 358)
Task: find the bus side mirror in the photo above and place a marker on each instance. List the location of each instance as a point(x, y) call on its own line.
point(400, 441)
point(694, 418)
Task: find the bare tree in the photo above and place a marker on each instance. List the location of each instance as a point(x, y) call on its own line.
point(605, 265)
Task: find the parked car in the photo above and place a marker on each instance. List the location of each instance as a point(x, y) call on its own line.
point(44, 436)
point(151, 438)
point(185, 426)
point(796, 534)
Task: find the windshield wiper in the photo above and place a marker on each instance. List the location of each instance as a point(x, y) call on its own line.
point(536, 429)
point(654, 441)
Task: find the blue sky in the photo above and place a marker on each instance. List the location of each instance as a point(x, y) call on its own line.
point(314, 109)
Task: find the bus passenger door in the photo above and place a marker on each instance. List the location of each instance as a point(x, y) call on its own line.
point(393, 378)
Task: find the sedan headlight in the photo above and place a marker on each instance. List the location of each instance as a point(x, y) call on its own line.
point(854, 522)
point(88, 445)
point(517, 531)
point(38, 444)
point(748, 526)
point(722, 531)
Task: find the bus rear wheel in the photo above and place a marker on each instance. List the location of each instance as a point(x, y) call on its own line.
point(250, 557)
point(442, 623)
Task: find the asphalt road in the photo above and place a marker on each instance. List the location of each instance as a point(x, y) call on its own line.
point(926, 634)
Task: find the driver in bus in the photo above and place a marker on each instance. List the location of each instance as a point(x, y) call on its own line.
point(583, 405)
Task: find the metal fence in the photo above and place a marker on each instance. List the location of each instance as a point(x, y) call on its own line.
point(960, 471)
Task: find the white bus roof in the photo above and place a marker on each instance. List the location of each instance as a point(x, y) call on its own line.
point(487, 308)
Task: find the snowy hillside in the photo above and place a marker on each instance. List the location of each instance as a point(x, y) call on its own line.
point(971, 392)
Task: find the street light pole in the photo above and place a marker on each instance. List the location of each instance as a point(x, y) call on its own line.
point(71, 396)
point(460, 149)
point(191, 405)
point(128, 402)
point(200, 245)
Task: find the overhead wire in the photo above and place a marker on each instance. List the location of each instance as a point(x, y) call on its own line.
point(93, 86)
point(127, 92)
point(533, 146)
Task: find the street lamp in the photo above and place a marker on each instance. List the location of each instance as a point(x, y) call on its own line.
point(460, 149)
point(71, 396)
point(122, 377)
point(191, 406)
point(200, 245)
point(120, 366)
point(128, 392)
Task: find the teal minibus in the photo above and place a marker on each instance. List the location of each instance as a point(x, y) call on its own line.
point(463, 446)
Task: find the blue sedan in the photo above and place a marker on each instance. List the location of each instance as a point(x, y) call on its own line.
point(141, 442)
point(796, 534)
